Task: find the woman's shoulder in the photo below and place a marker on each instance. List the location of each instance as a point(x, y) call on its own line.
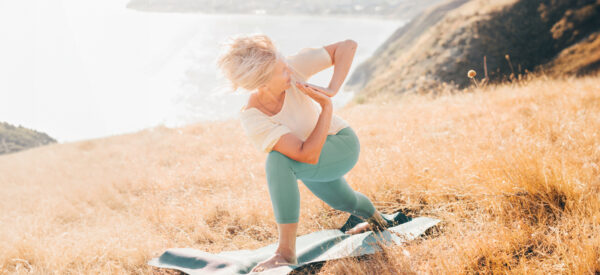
point(309, 61)
point(250, 112)
point(251, 108)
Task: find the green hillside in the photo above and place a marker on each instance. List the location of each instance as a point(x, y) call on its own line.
point(14, 139)
point(437, 48)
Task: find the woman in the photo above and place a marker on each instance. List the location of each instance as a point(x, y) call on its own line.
point(293, 122)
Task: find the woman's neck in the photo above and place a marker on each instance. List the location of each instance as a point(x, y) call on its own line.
point(268, 98)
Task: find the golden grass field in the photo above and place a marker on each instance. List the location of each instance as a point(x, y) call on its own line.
point(512, 170)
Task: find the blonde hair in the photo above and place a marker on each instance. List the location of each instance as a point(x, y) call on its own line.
point(248, 60)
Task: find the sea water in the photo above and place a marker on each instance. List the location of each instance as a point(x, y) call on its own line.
point(82, 69)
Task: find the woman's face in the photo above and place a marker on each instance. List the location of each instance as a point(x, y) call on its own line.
point(281, 78)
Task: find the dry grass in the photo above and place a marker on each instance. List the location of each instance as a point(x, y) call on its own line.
point(578, 59)
point(513, 171)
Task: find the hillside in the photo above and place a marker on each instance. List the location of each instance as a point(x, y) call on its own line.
point(512, 170)
point(14, 139)
point(438, 47)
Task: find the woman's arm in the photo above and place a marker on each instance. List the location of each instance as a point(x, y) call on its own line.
point(342, 54)
point(308, 151)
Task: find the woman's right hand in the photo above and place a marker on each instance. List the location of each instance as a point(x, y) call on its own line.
point(319, 97)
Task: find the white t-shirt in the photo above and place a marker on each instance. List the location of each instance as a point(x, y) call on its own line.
point(299, 113)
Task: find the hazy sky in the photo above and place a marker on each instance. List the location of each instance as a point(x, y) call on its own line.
point(78, 69)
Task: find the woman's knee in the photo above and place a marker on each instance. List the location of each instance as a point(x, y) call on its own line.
point(350, 145)
point(346, 203)
point(352, 141)
point(276, 160)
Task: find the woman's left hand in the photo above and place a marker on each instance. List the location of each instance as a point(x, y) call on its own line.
point(326, 91)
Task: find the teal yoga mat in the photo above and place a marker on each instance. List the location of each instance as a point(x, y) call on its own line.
point(311, 249)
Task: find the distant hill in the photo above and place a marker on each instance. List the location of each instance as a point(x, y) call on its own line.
point(437, 48)
point(392, 9)
point(14, 139)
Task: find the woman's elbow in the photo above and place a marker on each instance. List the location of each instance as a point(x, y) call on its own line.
point(311, 159)
point(351, 42)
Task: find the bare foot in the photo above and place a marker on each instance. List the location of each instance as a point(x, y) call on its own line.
point(275, 261)
point(361, 227)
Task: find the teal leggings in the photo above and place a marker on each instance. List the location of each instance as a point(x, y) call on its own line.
point(324, 179)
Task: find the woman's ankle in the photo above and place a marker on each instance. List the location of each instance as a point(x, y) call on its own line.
point(288, 258)
point(377, 221)
point(288, 254)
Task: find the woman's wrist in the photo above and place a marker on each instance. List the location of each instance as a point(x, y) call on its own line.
point(327, 104)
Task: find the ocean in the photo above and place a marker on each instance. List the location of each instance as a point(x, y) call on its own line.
point(81, 69)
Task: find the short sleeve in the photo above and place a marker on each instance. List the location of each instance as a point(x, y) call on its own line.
point(309, 61)
point(262, 131)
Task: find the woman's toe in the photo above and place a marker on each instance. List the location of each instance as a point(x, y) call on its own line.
point(258, 268)
point(361, 227)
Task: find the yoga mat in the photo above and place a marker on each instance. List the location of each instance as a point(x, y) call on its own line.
point(316, 247)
